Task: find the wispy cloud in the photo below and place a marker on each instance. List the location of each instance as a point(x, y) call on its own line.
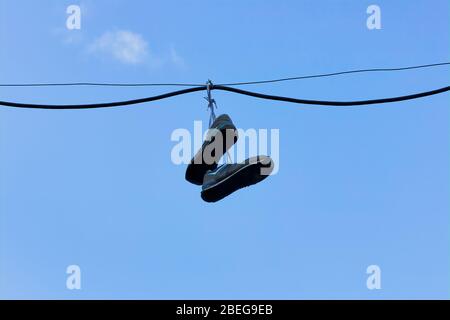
point(125, 46)
point(175, 58)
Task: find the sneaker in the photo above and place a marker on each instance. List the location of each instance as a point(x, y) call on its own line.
point(226, 179)
point(209, 154)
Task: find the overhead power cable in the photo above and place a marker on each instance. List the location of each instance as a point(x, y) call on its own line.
point(111, 84)
point(99, 84)
point(334, 103)
point(323, 75)
point(101, 105)
point(229, 89)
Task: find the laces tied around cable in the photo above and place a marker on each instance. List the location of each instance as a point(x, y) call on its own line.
point(211, 103)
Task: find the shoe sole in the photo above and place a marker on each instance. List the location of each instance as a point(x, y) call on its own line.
point(248, 175)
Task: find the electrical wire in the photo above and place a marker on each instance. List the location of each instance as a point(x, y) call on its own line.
point(100, 84)
point(229, 89)
point(106, 84)
point(334, 103)
point(102, 105)
point(337, 73)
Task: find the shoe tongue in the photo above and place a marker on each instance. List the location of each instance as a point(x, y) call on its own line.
point(220, 167)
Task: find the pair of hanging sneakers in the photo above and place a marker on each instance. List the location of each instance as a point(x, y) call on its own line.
point(220, 181)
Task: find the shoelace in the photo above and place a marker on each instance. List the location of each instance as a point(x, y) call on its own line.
point(212, 116)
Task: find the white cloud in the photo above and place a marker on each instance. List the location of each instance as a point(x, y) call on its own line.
point(125, 46)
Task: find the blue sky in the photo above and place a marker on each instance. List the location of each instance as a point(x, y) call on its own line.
point(96, 188)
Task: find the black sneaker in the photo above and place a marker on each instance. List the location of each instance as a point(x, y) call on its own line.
point(228, 178)
point(210, 153)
